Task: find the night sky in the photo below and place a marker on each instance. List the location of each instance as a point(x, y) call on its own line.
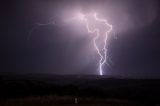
point(66, 48)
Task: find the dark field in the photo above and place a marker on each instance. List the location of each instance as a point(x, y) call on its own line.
point(67, 101)
point(49, 90)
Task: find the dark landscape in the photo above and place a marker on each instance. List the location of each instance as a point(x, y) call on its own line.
point(89, 89)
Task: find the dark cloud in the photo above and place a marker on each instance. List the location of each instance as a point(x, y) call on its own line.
point(59, 50)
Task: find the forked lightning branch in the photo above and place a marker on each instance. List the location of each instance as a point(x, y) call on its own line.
point(95, 25)
point(101, 28)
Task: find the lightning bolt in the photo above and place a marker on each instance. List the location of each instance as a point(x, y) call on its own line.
point(37, 26)
point(103, 59)
point(82, 17)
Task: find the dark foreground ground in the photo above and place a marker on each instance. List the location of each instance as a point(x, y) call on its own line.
point(51, 90)
point(66, 101)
